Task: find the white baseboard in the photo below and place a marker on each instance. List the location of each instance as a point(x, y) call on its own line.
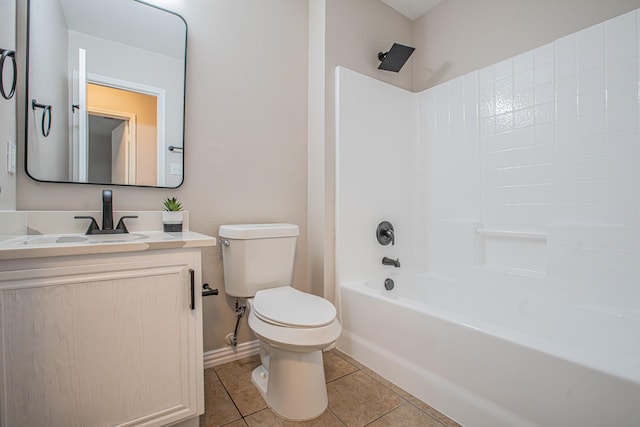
point(229, 354)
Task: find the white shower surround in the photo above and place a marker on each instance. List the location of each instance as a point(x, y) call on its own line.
point(528, 169)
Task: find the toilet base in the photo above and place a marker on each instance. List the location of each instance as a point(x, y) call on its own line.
point(294, 385)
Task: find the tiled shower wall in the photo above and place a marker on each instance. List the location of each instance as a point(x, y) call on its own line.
point(375, 164)
point(546, 170)
point(529, 166)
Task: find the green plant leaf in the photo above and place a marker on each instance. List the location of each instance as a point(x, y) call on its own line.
point(172, 204)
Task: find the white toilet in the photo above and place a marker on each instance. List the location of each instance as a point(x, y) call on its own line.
point(293, 327)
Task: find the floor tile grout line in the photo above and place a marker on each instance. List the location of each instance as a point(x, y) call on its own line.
point(405, 399)
point(342, 376)
point(217, 378)
point(385, 414)
point(346, 361)
point(438, 420)
point(234, 421)
point(242, 416)
point(337, 417)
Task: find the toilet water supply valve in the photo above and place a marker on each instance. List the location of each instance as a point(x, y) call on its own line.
point(232, 338)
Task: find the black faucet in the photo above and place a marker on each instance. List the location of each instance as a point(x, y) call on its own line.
point(389, 261)
point(107, 218)
point(107, 210)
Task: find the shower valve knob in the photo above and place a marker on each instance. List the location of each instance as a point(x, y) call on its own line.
point(385, 233)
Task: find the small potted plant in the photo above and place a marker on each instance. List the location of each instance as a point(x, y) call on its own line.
point(172, 216)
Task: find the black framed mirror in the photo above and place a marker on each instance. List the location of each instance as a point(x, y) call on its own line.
point(105, 93)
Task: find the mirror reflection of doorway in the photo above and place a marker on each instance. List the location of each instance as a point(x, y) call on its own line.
point(111, 146)
point(107, 142)
point(133, 146)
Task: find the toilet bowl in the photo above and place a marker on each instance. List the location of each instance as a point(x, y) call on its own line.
point(291, 378)
point(293, 327)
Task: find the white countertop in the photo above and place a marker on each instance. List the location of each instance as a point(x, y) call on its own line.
point(50, 245)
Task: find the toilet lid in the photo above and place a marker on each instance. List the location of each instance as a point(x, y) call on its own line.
point(290, 307)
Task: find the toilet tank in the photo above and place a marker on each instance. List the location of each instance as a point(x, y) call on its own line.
point(257, 256)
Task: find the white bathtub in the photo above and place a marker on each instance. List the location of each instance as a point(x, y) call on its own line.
point(522, 360)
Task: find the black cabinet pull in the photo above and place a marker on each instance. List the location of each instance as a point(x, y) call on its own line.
point(206, 290)
point(192, 274)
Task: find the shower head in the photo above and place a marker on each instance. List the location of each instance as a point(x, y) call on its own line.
point(395, 58)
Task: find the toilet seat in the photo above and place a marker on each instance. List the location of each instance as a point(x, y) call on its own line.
point(278, 326)
point(288, 307)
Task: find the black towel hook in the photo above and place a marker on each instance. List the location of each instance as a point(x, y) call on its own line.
point(4, 54)
point(46, 116)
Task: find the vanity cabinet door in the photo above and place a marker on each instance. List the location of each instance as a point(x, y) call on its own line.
point(106, 344)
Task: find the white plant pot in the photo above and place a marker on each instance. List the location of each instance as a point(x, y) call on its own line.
point(172, 221)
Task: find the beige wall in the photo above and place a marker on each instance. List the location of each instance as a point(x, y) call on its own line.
point(246, 136)
point(459, 36)
point(316, 217)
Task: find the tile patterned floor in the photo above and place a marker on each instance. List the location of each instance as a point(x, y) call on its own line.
point(358, 397)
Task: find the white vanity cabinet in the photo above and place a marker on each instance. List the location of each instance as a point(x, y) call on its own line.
point(101, 340)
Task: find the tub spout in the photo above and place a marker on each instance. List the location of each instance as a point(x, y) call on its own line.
point(389, 261)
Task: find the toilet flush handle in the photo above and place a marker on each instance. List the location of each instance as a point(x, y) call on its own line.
point(225, 242)
point(207, 291)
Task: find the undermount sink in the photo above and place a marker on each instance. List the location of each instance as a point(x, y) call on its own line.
point(93, 238)
point(107, 238)
point(50, 240)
